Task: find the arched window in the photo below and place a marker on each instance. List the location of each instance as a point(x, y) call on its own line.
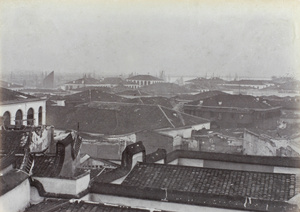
point(40, 115)
point(30, 117)
point(6, 117)
point(19, 118)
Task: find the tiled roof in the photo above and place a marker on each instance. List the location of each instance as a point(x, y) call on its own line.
point(9, 84)
point(257, 185)
point(9, 95)
point(121, 119)
point(234, 101)
point(164, 89)
point(112, 80)
point(203, 80)
point(248, 82)
point(11, 141)
point(60, 205)
point(199, 96)
point(132, 93)
point(44, 166)
point(85, 80)
point(144, 77)
point(163, 101)
point(94, 95)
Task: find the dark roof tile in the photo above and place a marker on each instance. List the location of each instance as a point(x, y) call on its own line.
point(61, 205)
point(11, 180)
point(144, 77)
point(7, 95)
point(263, 186)
point(121, 119)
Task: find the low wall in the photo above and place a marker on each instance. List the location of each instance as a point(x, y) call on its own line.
point(65, 186)
point(17, 199)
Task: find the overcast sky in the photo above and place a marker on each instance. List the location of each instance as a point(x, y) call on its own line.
point(147, 36)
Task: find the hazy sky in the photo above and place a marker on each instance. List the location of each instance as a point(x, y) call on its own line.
point(147, 36)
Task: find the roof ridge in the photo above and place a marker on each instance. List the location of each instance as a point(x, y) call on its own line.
point(166, 115)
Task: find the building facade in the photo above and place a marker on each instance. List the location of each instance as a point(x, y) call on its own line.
point(144, 80)
point(20, 109)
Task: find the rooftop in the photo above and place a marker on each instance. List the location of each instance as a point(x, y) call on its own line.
point(163, 101)
point(249, 82)
point(9, 84)
point(164, 89)
point(262, 186)
point(136, 92)
point(144, 77)
point(233, 101)
point(62, 205)
point(11, 180)
point(94, 95)
point(7, 95)
point(84, 80)
point(112, 80)
point(119, 119)
point(199, 96)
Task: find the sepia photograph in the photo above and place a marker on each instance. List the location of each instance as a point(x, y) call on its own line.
point(149, 105)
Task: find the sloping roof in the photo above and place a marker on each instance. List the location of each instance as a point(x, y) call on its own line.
point(9, 84)
point(163, 101)
point(199, 96)
point(248, 82)
point(136, 92)
point(144, 77)
point(84, 80)
point(62, 205)
point(10, 180)
point(164, 88)
point(44, 165)
point(12, 141)
point(203, 80)
point(112, 80)
point(257, 185)
point(94, 95)
point(234, 101)
point(121, 119)
point(7, 95)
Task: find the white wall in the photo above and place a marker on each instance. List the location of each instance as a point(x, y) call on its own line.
point(17, 199)
point(24, 106)
point(150, 204)
point(184, 132)
point(64, 186)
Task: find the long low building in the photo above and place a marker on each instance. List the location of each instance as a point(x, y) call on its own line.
point(21, 109)
point(235, 111)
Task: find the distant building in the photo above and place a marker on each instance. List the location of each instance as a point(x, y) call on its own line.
point(117, 81)
point(81, 83)
point(143, 80)
point(21, 109)
point(11, 86)
point(256, 84)
point(235, 111)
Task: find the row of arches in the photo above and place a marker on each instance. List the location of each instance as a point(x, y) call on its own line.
point(19, 117)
